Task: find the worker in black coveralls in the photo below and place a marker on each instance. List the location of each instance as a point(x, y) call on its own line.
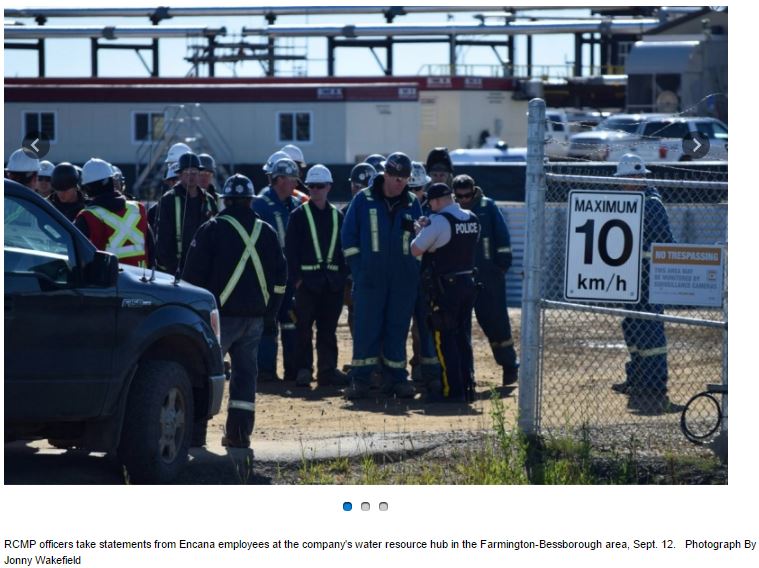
point(237, 257)
point(448, 241)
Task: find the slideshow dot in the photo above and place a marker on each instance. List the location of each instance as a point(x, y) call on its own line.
point(347, 506)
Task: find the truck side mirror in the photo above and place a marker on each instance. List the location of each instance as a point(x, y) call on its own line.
point(103, 270)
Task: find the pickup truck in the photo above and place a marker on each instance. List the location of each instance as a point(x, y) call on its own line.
point(102, 356)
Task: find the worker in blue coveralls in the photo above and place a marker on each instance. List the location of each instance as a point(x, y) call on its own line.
point(448, 243)
point(376, 237)
point(493, 260)
point(425, 366)
point(274, 205)
point(646, 371)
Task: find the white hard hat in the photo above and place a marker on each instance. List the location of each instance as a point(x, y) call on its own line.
point(172, 171)
point(20, 161)
point(46, 168)
point(96, 170)
point(419, 177)
point(631, 165)
point(318, 174)
point(273, 159)
point(294, 153)
point(175, 151)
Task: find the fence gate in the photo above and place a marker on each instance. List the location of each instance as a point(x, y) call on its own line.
point(624, 304)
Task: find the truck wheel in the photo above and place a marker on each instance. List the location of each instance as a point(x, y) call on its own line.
point(158, 423)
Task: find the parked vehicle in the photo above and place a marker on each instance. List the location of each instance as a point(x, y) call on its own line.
point(102, 356)
point(501, 153)
point(654, 137)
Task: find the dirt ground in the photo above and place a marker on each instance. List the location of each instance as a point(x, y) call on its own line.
point(284, 411)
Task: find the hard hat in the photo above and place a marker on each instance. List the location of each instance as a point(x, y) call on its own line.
point(79, 171)
point(64, 177)
point(295, 154)
point(376, 161)
point(117, 175)
point(362, 174)
point(419, 177)
point(171, 171)
point(318, 174)
point(96, 170)
point(207, 163)
point(238, 186)
point(22, 162)
point(631, 165)
point(398, 164)
point(46, 169)
point(439, 160)
point(276, 156)
point(176, 151)
point(188, 160)
point(284, 167)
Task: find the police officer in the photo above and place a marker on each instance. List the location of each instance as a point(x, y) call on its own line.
point(376, 239)
point(317, 271)
point(646, 371)
point(67, 197)
point(448, 241)
point(493, 260)
point(425, 366)
point(274, 205)
point(236, 257)
point(181, 211)
point(23, 168)
point(44, 177)
point(110, 221)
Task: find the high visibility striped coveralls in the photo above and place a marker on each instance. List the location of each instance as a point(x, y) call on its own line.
point(118, 226)
point(492, 261)
point(236, 257)
point(646, 371)
point(271, 209)
point(377, 246)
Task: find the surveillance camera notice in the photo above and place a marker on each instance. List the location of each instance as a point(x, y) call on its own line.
point(686, 275)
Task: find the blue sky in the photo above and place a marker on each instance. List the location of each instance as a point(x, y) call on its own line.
point(71, 57)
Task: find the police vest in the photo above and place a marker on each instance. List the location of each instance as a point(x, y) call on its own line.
point(321, 262)
point(127, 237)
point(457, 255)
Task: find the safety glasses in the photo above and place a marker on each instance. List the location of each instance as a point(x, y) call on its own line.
point(464, 196)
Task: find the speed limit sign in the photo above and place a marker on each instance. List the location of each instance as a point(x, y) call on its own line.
point(604, 237)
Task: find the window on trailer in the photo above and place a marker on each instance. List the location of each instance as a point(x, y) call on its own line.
point(293, 127)
point(40, 122)
point(147, 126)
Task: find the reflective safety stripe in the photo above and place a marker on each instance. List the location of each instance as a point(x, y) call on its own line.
point(250, 252)
point(367, 191)
point(646, 254)
point(288, 326)
point(280, 289)
point(486, 247)
point(393, 364)
point(652, 352)
point(406, 236)
point(365, 362)
point(503, 249)
point(507, 343)
point(374, 226)
point(633, 350)
point(280, 228)
point(444, 377)
point(351, 251)
point(430, 361)
point(125, 229)
point(315, 241)
point(242, 405)
point(314, 267)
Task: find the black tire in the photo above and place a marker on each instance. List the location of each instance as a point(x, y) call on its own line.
point(158, 423)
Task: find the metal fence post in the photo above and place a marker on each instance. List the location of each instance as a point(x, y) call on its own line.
point(535, 189)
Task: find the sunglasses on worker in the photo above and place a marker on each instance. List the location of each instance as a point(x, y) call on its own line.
point(464, 195)
point(316, 185)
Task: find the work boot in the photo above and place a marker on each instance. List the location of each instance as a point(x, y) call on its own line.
point(335, 378)
point(401, 389)
point(304, 378)
point(416, 374)
point(623, 388)
point(510, 376)
point(357, 390)
point(651, 403)
point(229, 442)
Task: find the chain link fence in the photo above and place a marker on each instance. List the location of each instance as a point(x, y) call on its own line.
point(599, 360)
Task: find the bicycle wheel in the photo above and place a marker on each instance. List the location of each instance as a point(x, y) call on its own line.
point(701, 418)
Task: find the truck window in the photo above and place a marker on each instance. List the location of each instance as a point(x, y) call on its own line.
point(663, 129)
point(712, 130)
